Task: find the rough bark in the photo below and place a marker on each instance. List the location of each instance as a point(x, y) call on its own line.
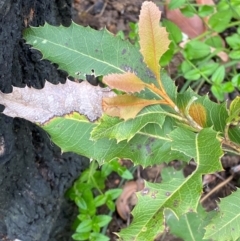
point(34, 175)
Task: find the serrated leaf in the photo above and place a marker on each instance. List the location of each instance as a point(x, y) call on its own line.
point(39, 106)
point(81, 50)
point(204, 147)
point(225, 225)
point(115, 128)
point(127, 82)
point(178, 195)
point(126, 106)
point(216, 114)
point(189, 227)
point(154, 40)
point(150, 146)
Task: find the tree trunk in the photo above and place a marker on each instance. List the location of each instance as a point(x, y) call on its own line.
point(34, 175)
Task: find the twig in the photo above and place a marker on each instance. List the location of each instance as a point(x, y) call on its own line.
point(216, 188)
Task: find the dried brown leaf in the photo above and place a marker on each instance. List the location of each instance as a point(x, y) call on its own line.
point(39, 106)
point(128, 198)
point(193, 26)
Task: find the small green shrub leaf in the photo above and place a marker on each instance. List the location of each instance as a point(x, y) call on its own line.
point(81, 236)
point(220, 20)
point(219, 75)
point(234, 110)
point(196, 49)
point(235, 54)
point(205, 10)
point(84, 226)
point(176, 4)
point(102, 220)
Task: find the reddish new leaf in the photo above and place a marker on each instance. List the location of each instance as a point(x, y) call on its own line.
point(127, 82)
point(126, 106)
point(198, 114)
point(154, 40)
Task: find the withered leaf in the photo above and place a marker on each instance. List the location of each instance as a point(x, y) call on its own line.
point(128, 198)
point(39, 106)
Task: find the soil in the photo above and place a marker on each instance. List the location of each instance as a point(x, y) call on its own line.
point(116, 16)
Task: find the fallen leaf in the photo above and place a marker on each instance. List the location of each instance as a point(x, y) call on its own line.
point(128, 198)
point(39, 106)
point(127, 82)
point(126, 106)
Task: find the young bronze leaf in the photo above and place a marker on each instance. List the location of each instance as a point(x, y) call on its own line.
point(127, 82)
point(153, 38)
point(198, 114)
point(126, 106)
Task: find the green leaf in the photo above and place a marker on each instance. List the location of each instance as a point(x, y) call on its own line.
point(188, 11)
point(98, 237)
point(81, 50)
point(115, 128)
point(113, 193)
point(100, 200)
point(102, 220)
point(236, 81)
point(181, 195)
point(217, 92)
point(204, 147)
point(234, 134)
point(225, 225)
point(189, 227)
point(174, 31)
point(235, 54)
point(234, 110)
point(81, 203)
point(168, 173)
point(193, 74)
point(208, 68)
point(205, 10)
point(72, 133)
point(196, 49)
point(81, 236)
point(84, 226)
point(220, 20)
point(218, 76)
point(176, 4)
point(214, 41)
point(234, 41)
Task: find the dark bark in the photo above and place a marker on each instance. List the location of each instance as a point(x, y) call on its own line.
point(34, 175)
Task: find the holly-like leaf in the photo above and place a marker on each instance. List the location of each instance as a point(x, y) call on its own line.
point(126, 106)
point(178, 195)
point(234, 110)
point(40, 106)
point(189, 226)
point(127, 82)
point(203, 111)
point(115, 128)
point(154, 40)
point(81, 51)
point(225, 224)
point(72, 133)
